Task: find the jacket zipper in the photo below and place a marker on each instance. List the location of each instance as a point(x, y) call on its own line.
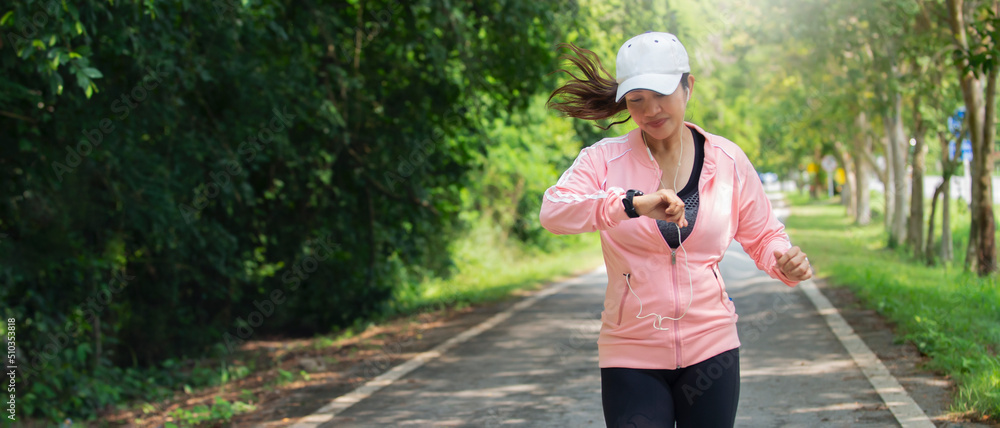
point(673, 271)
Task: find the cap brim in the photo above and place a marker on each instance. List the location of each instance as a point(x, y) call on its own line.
point(665, 84)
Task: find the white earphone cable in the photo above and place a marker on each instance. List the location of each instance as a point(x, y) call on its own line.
point(659, 318)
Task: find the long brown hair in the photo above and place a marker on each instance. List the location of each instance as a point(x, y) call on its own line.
point(592, 97)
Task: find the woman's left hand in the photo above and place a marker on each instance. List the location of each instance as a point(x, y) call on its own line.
point(794, 264)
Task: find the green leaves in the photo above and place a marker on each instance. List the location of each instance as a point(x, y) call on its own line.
point(984, 46)
point(262, 123)
point(84, 80)
point(92, 73)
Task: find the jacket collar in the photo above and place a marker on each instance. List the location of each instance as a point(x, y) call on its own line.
point(643, 156)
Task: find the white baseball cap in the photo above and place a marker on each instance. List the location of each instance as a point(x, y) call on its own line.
point(653, 61)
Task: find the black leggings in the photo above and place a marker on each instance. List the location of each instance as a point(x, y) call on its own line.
point(704, 395)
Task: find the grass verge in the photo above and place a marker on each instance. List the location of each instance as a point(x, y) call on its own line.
point(950, 315)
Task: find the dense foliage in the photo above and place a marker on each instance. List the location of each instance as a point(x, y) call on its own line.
point(181, 176)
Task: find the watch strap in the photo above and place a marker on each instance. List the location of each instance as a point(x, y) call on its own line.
point(627, 203)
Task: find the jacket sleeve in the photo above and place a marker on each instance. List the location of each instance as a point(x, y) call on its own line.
point(758, 230)
point(578, 202)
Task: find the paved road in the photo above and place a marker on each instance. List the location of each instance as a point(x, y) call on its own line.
point(539, 367)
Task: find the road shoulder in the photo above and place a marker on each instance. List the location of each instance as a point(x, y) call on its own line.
point(931, 391)
point(372, 353)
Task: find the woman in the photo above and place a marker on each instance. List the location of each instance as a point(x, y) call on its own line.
point(668, 198)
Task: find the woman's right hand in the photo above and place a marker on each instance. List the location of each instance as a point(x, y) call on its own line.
point(662, 205)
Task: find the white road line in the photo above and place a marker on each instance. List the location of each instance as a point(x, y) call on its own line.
point(906, 411)
point(339, 404)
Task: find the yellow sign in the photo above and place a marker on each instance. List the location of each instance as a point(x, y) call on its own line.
point(812, 168)
point(840, 177)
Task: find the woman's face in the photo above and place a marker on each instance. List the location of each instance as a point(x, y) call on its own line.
point(659, 116)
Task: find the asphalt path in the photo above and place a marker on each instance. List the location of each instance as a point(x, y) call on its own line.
point(538, 367)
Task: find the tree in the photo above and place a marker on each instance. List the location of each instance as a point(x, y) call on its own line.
point(976, 59)
point(928, 89)
point(861, 147)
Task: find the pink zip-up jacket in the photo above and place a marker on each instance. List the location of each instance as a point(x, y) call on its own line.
point(647, 283)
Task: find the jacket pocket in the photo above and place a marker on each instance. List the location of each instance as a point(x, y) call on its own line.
point(621, 302)
point(614, 308)
point(724, 298)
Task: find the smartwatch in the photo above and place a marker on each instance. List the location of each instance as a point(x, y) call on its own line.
point(627, 202)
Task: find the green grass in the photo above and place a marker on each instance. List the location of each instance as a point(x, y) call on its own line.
point(220, 411)
point(950, 315)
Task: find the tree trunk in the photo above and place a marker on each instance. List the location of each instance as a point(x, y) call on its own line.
point(981, 252)
point(861, 148)
point(897, 146)
point(982, 193)
point(847, 192)
point(889, 190)
point(850, 185)
point(947, 242)
point(818, 185)
point(915, 224)
point(929, 253)
point(947, 170)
